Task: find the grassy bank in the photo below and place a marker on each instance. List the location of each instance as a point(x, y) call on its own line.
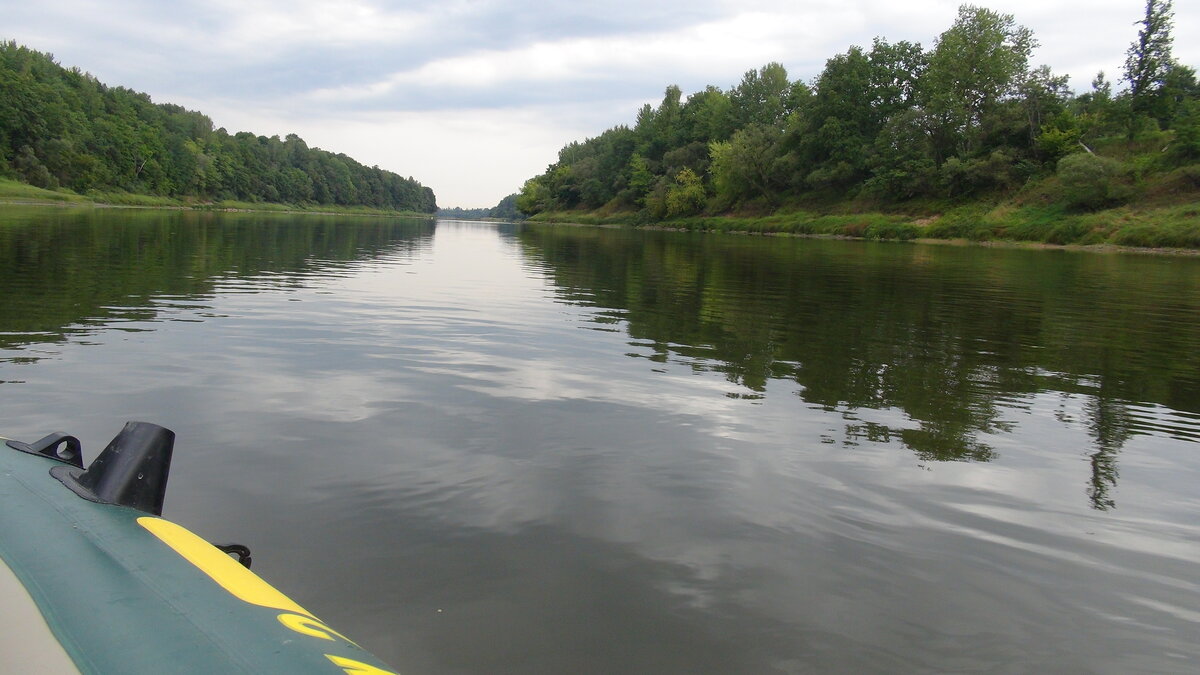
point(1172, 221)
point(1163, 227)
point(11, 190)
point(16, 192)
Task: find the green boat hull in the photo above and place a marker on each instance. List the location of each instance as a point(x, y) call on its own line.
point(103, 588)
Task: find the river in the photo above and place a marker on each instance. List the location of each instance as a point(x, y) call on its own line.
point(494, 448)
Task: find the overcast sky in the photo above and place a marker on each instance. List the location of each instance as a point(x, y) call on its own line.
point(472, 97)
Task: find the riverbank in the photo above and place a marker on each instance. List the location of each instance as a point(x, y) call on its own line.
point(1162, 227)
point(15, 193)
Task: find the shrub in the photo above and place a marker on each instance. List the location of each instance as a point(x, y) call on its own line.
point(901, 231)
point(1091, 182)
point(1056, 143)
point(1186, 147)
point(964, 177)
point(1067, 232)
point(1186, 177)
point(686, 196)
point(656, 199)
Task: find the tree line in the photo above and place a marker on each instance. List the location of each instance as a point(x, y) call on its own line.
point(892, 123)
point(506, 209)
point(61, 128)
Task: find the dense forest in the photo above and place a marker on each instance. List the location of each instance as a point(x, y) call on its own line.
point(61, 128)
point(505, 210)
point(894, 124)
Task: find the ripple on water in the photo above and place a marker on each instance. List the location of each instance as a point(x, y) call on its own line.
point(724, 454)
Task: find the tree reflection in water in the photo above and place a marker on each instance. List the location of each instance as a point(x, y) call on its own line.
point(952, 337)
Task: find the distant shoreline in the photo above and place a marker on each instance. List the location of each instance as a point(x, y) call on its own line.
point(282, 209)
point(731, 228)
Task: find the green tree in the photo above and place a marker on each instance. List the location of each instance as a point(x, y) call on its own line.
point(1060, 136)
point(1179, 86)
point(1148, 60)
point(1098, 111)
point(895, 76)
point(641, 179)
point(1186, 147)
point(840, 122)
point(707, 116)
point(692, 156)
point(748, 166)
point(657, 130)
point(976, 64)
point(1044, 96)
point(507, 209)
point(761, 97)
point(534, 197)
point(686, 196)
point(901, 159)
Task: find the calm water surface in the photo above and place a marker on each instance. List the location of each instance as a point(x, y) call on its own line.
point(498, 449)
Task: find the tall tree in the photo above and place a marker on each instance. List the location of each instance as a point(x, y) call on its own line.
point(1148, 61)
point(708, 116)
point(896, 71)
point(1043, 95)
point(840, 122)
point(762, 96)
point(976, 64)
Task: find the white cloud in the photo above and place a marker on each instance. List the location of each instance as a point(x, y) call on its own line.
point(274, 26)
point(694, 51)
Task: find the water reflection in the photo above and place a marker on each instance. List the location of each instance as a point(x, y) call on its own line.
point(71, 271)
point(1109, 424)
point(960, 341)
